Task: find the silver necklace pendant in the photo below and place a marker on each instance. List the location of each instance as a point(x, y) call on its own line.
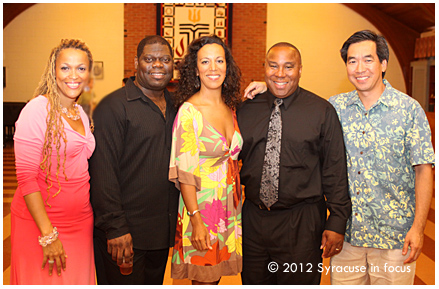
point(74, 116)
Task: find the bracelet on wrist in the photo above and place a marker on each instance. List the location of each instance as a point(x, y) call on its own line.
point(49, 239)
point(193, 213)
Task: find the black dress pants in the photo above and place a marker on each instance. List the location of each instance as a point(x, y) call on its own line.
point(148, 267)
point(282, 246)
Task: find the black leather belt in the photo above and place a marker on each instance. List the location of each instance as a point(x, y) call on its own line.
point(261, 205)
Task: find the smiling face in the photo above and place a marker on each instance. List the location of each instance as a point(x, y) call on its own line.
point(283, 69)
point(211, 66)
point(364, 68)
point(72, 69)
point(154, 67)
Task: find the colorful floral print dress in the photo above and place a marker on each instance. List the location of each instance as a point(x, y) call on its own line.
point(201, 157)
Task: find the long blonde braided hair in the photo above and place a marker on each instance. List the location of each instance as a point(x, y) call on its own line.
point(55, 127)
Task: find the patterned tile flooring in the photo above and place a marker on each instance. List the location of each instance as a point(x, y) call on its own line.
point(425, 268)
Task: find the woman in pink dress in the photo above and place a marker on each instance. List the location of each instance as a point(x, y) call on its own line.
point(51, 216)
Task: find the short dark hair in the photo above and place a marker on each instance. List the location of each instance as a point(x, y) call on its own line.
point(189, 82)
point(152, 39)
point(285, 44)
point(367, 35)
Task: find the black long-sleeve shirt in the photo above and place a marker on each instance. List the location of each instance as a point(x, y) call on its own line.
point(130, 191)
point(312, 159)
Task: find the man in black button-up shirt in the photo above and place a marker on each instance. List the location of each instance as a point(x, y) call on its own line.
point(135, 205)
point(288, 238)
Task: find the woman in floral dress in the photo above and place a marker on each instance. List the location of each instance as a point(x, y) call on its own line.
point(205, 145)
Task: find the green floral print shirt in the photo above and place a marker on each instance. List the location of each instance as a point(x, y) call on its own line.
point(383, 144)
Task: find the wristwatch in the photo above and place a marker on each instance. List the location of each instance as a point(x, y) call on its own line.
point(193, 213)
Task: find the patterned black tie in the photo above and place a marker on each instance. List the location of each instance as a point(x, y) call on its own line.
point(270, 170)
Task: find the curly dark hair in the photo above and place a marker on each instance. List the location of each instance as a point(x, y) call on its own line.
point(189, 82)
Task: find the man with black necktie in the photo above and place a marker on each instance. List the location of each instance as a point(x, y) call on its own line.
point(294, 169)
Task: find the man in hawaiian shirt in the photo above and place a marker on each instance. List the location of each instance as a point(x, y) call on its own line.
point(389, 157)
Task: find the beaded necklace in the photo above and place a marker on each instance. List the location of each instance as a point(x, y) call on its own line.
point(74, 116)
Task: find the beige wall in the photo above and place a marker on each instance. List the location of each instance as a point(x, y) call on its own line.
point(29, 39)
point(319, 31)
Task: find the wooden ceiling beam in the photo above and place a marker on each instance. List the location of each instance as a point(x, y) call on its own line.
point(429, 10)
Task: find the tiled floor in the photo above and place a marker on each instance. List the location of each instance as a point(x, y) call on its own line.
point(425, 267)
